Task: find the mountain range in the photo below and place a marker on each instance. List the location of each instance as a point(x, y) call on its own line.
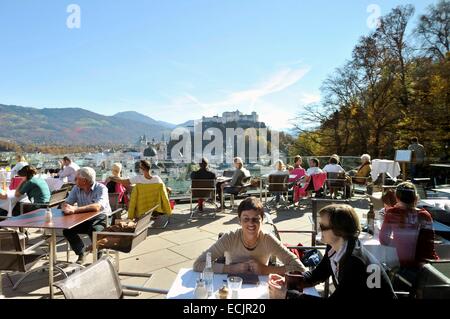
point(76, 126)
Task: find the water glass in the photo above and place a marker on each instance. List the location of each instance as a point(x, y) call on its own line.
point(234, 284)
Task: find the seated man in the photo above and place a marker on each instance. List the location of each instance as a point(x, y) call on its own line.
point(69, 169)
point(89, 196)
point(203, 173)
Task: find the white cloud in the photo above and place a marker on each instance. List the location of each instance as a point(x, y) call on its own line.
point(276, 113)
point(308, 98)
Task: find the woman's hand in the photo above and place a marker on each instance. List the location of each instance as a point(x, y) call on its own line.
point(277, 287)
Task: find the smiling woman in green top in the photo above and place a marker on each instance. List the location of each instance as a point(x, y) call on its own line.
point(36, 189)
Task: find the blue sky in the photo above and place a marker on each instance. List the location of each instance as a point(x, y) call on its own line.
point(176, 60)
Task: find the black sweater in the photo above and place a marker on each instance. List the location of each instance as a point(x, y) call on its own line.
point(353, 275)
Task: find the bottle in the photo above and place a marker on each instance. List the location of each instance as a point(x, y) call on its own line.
point(48, 215)
point(208, 274)
point(200, 291)
point(371, 220)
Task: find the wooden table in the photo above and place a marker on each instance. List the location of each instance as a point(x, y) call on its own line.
point(36, 219)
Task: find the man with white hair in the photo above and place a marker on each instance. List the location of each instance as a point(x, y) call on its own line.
point(89, 196)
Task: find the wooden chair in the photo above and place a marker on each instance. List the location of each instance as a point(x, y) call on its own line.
point(99, 280)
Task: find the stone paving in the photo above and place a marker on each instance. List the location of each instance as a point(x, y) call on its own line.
point(166, 251)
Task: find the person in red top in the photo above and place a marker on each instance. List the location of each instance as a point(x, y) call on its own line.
point(409, 230)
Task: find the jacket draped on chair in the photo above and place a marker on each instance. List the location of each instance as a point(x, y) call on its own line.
point(147, 196)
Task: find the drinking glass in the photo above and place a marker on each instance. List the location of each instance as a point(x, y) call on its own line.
point(234, 284)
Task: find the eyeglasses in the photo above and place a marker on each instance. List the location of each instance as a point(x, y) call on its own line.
point(255, 220)
point(324, 228)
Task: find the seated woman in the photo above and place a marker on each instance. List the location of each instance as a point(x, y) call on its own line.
point(20, 163)
point(354, 271)
point(333, 166)
point(114, 187)
point(280, 169)
point(145, 176)
point(236, 181)
point(248, 249)
point(409, 230)
point(362, 173)
point(306, 182)
point(36, 189)
point(297, 170)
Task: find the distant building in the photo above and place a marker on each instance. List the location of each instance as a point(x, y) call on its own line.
point(228, 117)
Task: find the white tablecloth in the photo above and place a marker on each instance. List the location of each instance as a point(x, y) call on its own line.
point(184, 285)
point(384, 254)
point(384, 166)
point(9, 203)
point(54, 183)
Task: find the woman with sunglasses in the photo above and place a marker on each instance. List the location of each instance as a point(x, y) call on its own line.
point(249, 249)
point(354, 271)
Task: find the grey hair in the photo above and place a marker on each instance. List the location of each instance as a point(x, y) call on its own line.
point(365, 157)
point(87, 173)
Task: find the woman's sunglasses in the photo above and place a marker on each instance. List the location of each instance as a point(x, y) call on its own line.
point(324, 228)
point(255, 220)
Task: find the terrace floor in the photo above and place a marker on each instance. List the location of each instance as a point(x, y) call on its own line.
point(166, 251)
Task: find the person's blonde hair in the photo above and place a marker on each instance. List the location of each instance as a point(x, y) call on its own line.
point(279, 165)
point(117, 166)
point(20, 158)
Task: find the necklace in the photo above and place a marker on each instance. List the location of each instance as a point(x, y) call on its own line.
point(247, 246)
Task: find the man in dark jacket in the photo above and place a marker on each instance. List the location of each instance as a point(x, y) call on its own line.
point(203, 173)
point(355, 271)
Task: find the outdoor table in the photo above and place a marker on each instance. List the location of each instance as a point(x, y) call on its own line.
point(54, 184)
point(184, 285)
point(438, 208)
point(384, 166)
point(442, 190)
point(440, 165)
point(36, 219)
point(385, 254)
point(9, 203)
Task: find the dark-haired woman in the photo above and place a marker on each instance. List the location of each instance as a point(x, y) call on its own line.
point(409, 230)
point(354, 271)
point(36, 189)
point(248, 249)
